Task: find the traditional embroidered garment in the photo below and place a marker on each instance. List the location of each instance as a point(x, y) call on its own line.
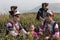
point(15, 29)
point(50, 29)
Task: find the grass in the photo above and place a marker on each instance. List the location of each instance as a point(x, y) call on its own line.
point(25, 19)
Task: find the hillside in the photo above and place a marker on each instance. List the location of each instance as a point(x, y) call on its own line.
point(25, 19)
point(52, 6)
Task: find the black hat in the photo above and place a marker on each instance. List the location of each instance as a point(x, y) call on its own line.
point(14, 14)
point(11, 13)
point(14, 7)
point(47, 15)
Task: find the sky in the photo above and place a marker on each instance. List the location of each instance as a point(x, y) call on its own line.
point(23, 5)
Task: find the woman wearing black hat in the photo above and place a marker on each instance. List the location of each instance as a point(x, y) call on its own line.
point(13, 10)
point(13, 27)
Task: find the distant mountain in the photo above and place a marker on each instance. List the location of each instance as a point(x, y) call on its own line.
point(35, 9)
point(52, 6)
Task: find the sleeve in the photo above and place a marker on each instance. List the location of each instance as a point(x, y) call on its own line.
point(22, 30)
point(38, 14)
point(9, 27)
point(56, 30)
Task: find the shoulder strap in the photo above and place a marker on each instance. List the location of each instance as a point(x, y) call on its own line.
point(44, 23)
point(20, 26)
point(54, 27)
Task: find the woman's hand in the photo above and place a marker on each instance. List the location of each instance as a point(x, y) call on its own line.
point(46, 38)
point(41, 33)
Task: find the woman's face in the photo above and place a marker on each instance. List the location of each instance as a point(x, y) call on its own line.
point(16, 18)
point(48, 18)
point(45, 7)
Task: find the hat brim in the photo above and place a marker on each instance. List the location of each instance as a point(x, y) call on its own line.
point(47, 15)
point(17, 15)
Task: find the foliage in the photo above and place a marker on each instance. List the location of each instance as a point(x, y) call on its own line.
point(25, 19)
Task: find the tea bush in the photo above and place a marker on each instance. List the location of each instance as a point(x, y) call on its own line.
point(25, 19)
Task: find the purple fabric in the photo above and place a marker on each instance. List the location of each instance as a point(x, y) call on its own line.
point(41, 28)
point(35, 34)
point(56, 30)
point(8, 24)
point(57, 34)
point(9, 27)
